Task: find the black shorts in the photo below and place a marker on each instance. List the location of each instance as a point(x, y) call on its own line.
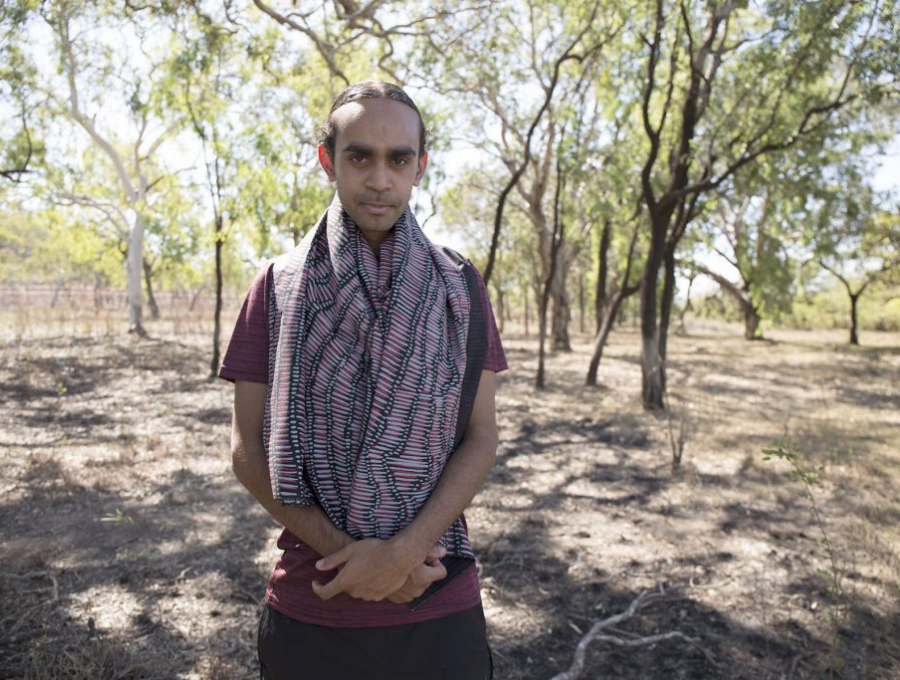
point(449, 648)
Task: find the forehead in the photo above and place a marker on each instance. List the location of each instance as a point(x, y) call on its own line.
point(376, 121)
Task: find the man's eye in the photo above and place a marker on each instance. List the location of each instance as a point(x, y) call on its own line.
point(357, 159)
point(401, 161)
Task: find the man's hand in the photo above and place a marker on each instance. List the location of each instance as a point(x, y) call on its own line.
point(375, 570)
point(370, 569)
point(421, 577)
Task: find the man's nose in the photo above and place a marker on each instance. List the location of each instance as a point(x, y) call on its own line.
point(379, 178)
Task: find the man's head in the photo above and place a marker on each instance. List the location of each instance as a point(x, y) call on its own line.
point(368, 89)
point(373, 147)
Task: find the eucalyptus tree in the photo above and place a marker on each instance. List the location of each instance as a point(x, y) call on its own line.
point(19, 148)
point(513, 78)
point(617, 231)
point(101, 131)
point(341, 30)
point(726, 83)
point(215, 85)
point(856, 238)
point(753, 229)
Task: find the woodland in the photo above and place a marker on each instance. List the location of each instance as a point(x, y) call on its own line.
point(687, 215)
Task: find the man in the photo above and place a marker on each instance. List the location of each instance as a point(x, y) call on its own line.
point(363, 423)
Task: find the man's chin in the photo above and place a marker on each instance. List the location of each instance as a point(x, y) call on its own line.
point(369, 222)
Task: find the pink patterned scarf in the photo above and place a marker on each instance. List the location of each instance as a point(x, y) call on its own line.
point(366, 375)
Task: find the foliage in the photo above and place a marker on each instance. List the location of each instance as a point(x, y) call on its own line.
point(214, 107)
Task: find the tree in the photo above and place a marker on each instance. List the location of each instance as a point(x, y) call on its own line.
point(751, 227)
point(218, 83)
point(725, 85)
point(97, 61)
point(857, 239)
point(18, 101)
point(547, 54)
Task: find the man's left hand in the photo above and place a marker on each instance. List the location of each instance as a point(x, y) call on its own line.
point(421, 577)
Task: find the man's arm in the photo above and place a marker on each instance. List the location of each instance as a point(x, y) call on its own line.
point(248, 459)
point(464, 474)
point(309, 523)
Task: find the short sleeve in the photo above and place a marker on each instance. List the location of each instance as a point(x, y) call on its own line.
point(247, 356)
point(495, 359)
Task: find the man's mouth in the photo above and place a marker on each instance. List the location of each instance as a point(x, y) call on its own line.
point(376, 208)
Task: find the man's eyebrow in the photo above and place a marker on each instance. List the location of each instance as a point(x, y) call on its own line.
point(402, 151)
point(366, 150)
point(356, 147)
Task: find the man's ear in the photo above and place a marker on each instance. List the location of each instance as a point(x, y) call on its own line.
point(327, 163)
point(420, 171)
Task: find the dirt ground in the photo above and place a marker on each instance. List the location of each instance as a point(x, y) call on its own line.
point(128, 550)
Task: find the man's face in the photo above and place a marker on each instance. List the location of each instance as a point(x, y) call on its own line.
point(376, 163)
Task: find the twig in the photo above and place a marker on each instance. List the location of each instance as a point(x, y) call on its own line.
point(599, 632)
point(54, 588)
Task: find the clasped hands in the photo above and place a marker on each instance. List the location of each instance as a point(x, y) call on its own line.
point(374, 569)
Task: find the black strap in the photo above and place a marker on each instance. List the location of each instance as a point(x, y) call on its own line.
point(476, 353)
point(476, 345)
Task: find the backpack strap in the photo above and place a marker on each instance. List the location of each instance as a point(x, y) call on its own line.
point(476, 354)
point(476, 344)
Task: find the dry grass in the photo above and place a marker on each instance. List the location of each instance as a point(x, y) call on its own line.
point(115, 481)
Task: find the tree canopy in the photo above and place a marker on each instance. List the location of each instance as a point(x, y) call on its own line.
point(584, 151)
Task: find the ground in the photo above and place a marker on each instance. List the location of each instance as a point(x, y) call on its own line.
point(128, 550)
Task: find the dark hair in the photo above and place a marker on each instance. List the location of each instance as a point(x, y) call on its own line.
point(368, 89)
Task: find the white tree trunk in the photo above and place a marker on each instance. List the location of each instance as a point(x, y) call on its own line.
point(134, 264)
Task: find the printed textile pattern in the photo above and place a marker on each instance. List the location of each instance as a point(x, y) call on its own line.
point(366, 375)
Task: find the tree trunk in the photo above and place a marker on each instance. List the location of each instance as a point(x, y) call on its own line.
point(750, 311)
point(602, 268)
point(751, 322)
point(554, 275)
point(527, 311)
point(217, 315)
point(98, 297)
point(134, 269)
point(540, 380)
point(682, 327)
point(609, 317)
point(60, 284)
point(581, 303)
point(854, 298)
point(652, 364)
point(668, 298)
point(501, 307)
point(561, 311)
point(148, 282)
point(196, 296)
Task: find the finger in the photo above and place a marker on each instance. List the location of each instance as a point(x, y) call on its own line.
point(435, 554)
point(400, 598)
point(436, 571)
point(334, 560)
point(428, 574)
point(327, 590)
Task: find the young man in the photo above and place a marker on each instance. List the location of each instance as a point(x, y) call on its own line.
point(364, 420)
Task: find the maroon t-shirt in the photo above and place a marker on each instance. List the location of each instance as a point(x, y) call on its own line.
point(290, 590)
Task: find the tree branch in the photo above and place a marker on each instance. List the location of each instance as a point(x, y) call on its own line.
point(598, 633)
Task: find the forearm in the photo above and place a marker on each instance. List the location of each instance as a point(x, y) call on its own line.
point(460, 481)
point(308, 523)
point(462, 477)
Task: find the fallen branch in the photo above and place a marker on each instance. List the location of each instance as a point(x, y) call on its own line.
point(598, 632)
point(54, 588)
